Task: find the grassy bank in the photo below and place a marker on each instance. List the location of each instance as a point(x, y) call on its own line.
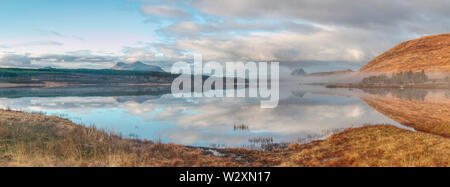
point(37, 140)
point(381, 145)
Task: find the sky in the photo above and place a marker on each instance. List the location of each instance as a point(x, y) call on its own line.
point(316, 35)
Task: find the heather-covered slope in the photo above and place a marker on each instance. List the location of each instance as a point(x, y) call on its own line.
point(430, 53)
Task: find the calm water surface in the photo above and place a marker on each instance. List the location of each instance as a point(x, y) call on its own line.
point(304, 113)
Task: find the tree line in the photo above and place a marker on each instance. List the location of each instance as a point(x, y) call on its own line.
point(407, 77)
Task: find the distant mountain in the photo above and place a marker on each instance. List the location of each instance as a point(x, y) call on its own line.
point(300, 71)
point(325, 73)
point(430, 53)
point(136, 66)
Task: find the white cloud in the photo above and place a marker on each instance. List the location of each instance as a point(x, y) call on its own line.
point(14, 61)
point(189, 28)
point(285, 46)
point(164, 11)
point(293, 31)
point(138, 54)
point(39, 43)
point(350, 12)
point(306, 30)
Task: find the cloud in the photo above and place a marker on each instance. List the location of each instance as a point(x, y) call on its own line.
point(159, 54)
point(48, 32)
point(350, 32)
point(39, 43)
point(340, 44)
point(55, 33)
point(138, 54)
point(347, 32)
point(188, 28)
point(164, 11)
point(12, 60)
point(88, 59)
point(351, 12)
point(76, 59)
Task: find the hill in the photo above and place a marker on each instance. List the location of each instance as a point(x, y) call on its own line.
point(326, 73)
point(430, 53)
point(136, 66)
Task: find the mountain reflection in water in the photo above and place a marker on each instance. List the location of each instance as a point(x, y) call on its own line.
point(423, 110)
point(304, 113)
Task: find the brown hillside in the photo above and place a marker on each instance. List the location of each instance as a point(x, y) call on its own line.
point(430, 53)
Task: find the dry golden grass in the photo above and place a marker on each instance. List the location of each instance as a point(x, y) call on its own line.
point(38, 140)
point(380, 145)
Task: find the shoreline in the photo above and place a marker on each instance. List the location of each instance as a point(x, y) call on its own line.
point(41, 140)
point(395, 86)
